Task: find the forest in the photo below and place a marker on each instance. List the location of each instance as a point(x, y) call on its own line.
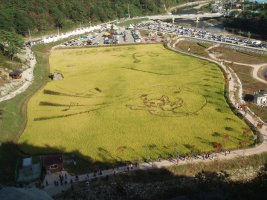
point(20, 16)
point(253, 19)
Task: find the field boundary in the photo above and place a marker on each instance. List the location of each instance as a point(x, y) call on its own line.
point(227, 45)
point(165, 163)
point(226, 88)
point(105, 46)
point(230, 100)
point(24, 106)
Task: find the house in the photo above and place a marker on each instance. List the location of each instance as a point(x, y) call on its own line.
point(28, 170)
point(16, 74)
point(260, 98)
point(53, 163)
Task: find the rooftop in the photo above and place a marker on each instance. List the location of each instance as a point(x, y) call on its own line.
point(52, 159)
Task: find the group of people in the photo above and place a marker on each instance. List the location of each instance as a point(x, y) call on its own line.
point(63, 180)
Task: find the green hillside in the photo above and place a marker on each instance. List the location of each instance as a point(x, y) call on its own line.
point(43, 15)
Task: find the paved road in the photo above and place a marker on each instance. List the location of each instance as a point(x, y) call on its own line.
point(53, 190)
point(195, 3)
point(186, 16)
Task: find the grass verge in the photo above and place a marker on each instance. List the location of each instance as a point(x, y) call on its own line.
point(13, 115)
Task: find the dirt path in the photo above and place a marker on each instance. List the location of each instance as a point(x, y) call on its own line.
point(27, 76)
point(255, 67)
point(50, 178)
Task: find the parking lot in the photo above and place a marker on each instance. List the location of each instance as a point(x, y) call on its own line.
point(106, 35)
point(168, 28)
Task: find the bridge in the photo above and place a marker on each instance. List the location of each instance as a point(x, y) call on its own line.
point(186, 16)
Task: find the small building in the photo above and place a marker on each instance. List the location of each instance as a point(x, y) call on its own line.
point(56, 76)
point(260, 98)
point(28, 170)
point(53, 163)
point(16, 74)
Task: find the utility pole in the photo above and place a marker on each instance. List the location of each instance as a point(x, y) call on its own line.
point(165, 7)
point(116, 8)
point(129, 11)
point(30, 36)
point(90, 21)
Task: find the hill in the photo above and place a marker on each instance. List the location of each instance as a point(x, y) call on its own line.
point(43, 15)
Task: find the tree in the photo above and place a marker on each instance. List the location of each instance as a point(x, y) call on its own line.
point(22, 22)
point(10, 43)
point(225, 138)
point(42, 15)
point(249, 35)
point(217, 146)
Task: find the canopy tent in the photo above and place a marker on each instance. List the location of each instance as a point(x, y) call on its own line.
point(115, 27)
point(130, 27)
point(106, 34)
point(108, 26)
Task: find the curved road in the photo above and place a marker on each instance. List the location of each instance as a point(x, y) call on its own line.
point(195, 3)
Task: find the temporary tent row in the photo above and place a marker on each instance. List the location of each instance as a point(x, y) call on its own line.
point(69, 34)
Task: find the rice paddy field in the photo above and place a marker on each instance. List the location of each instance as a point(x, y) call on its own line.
point(130, 103)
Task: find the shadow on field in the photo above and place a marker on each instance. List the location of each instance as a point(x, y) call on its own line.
point(10, 153)
point(162, 184)
point(200, 182)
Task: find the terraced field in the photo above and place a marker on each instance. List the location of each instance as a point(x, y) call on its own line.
point(131, 103)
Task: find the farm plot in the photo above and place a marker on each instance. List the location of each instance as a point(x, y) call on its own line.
point(131, 103)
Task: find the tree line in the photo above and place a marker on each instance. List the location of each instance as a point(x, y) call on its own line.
point(21, 15)
point(253, 20)
point(10, 44)
point(18, 17)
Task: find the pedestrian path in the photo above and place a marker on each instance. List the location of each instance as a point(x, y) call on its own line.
point(255, 67)
point(49, 180)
